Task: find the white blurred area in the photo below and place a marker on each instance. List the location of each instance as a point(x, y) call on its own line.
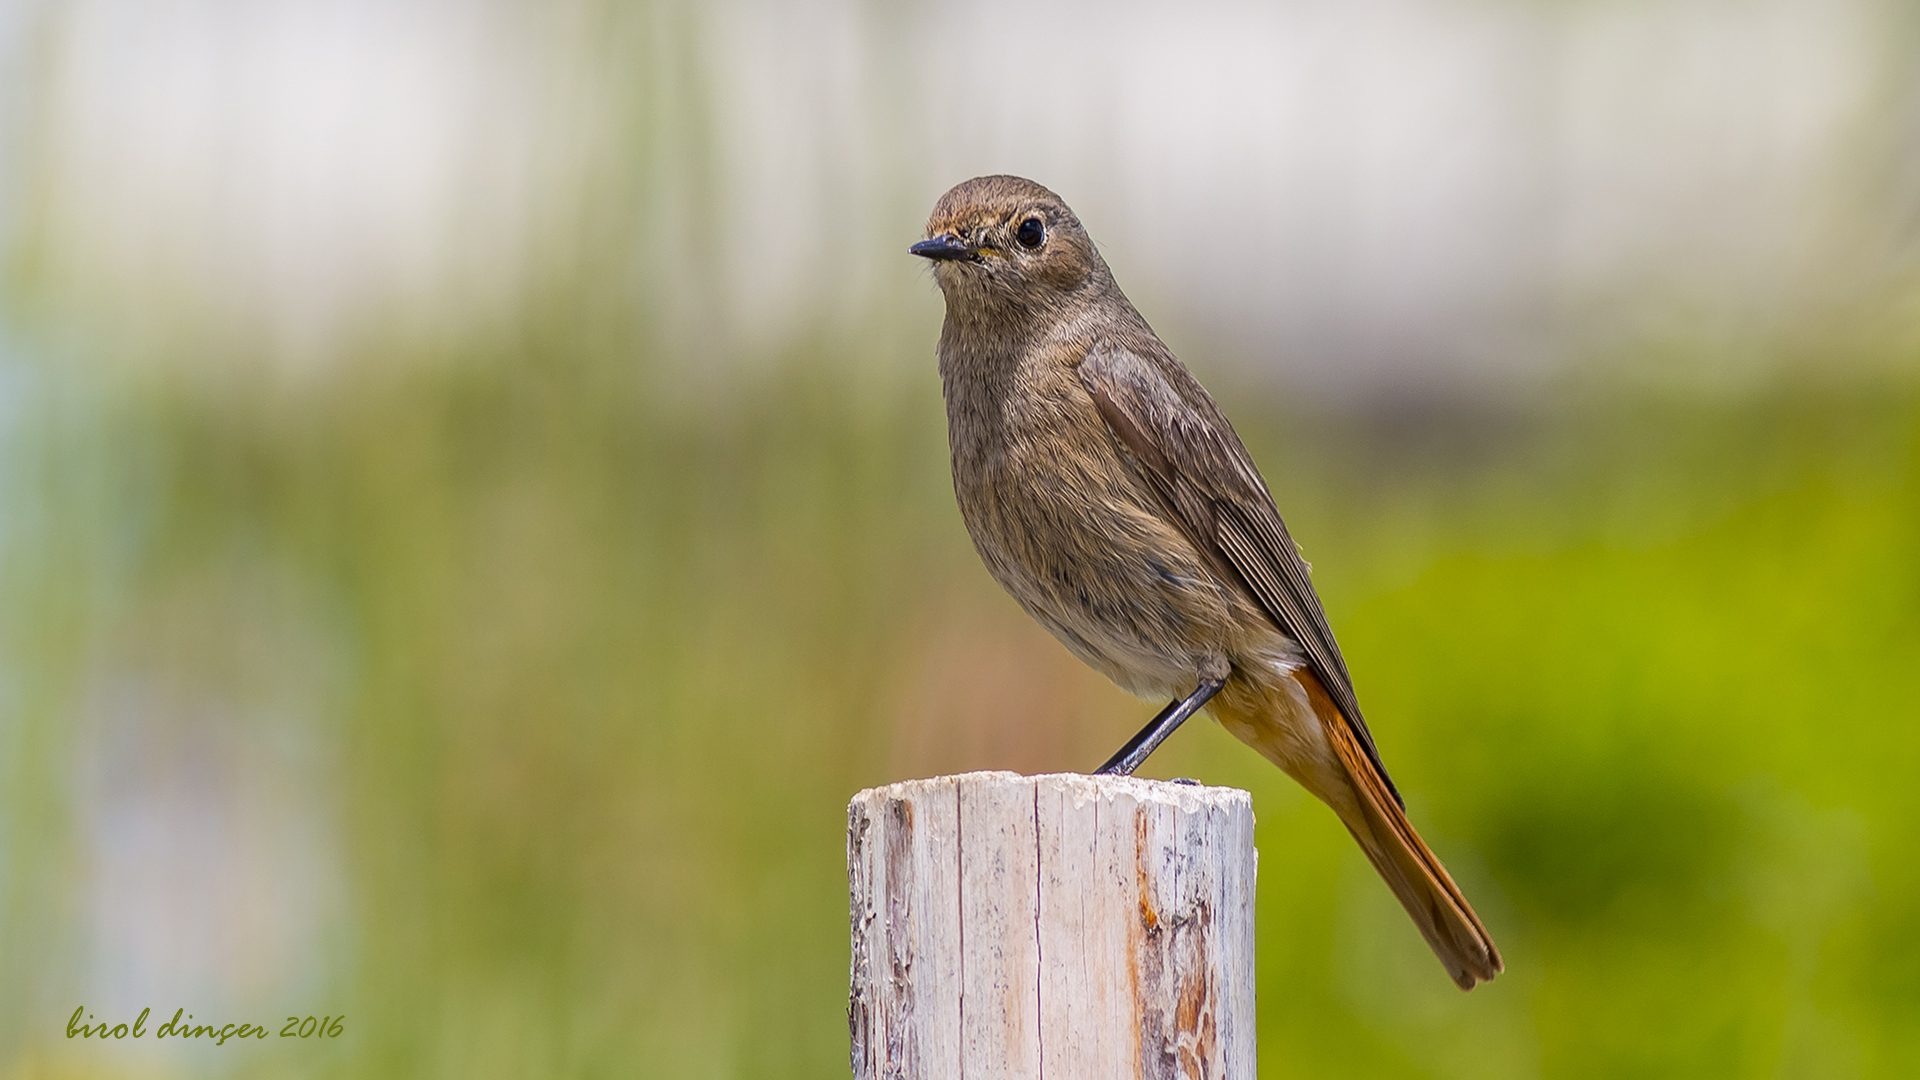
point(1350, 195)
point(276, 181)
point(210, 873)
point(213, 877)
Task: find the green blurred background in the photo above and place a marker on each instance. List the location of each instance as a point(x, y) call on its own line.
point(473, 508)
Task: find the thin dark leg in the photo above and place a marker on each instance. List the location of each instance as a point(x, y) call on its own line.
point(1135, 752)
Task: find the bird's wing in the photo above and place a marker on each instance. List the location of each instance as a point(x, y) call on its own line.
point(1195, 462)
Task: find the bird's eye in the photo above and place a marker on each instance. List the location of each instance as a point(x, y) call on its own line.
point(1030, 233)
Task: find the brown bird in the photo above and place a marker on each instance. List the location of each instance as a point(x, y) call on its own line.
point(1106, 492)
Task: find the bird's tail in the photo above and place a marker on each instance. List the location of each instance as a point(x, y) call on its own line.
point(1356, 791)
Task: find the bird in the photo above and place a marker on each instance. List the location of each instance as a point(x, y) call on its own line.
point(1108, 495)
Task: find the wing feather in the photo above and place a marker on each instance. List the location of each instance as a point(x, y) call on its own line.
point(1192, 459)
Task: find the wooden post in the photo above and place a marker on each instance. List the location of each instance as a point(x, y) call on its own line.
point(1060, 926)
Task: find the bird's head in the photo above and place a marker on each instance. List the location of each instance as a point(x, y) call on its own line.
point(996, 241)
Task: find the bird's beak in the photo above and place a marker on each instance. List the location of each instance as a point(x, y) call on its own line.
point(943, 247)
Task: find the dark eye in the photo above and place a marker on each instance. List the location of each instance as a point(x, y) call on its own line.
point(1030, 233)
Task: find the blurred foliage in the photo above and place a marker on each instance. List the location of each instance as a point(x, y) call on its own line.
point(605, 671)
point(1651, 683)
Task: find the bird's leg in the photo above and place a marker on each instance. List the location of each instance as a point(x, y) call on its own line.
point(1135, 752)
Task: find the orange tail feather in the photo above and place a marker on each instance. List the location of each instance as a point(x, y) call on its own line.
point(1328, 760)
point(1410, 868)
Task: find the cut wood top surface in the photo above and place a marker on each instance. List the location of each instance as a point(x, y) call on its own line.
point(1079, 786)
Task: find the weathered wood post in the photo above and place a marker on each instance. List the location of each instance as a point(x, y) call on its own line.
point(1059, 926)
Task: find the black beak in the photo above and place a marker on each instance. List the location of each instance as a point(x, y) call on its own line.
point(944, 246)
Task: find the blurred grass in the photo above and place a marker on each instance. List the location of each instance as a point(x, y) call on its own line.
point(609, 668)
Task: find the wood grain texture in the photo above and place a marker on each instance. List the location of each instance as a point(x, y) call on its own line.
point(1059, 926)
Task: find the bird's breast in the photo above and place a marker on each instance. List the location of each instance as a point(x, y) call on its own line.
point(1071, 530)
